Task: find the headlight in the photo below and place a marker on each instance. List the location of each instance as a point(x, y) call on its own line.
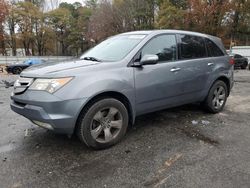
point(50, 85)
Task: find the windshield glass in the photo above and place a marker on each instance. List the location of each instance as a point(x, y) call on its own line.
point(113, 49)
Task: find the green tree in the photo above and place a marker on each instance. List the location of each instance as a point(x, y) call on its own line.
point(77, 39)
point(42, 33)
point(135, 14)
point(27, 14)
point(60, 21)
point(180, 4)
point(170, 16)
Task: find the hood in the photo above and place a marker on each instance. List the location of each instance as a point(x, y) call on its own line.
point(57, 68)
point(17, 65)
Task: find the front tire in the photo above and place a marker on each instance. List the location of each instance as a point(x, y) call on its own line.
point(17, 70)
point(103, 123)
point(217, 97)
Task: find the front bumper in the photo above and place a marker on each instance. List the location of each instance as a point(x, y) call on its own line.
point(47, 110)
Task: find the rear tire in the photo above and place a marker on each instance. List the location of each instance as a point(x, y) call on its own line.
point(244, 66)
point(217, 97)
point(103, 123)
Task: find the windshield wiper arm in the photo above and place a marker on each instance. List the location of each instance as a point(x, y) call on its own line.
point(92, 59)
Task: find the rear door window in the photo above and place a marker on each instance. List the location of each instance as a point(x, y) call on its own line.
point(213, 49)
point(191, 47)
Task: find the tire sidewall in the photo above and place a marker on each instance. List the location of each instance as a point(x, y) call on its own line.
point(17, 70)
point(211, 93)
point(86, 122)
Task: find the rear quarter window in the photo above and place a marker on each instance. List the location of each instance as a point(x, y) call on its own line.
point(212, 49)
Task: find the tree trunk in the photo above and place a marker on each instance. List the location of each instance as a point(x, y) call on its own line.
point(2, 42)
point(13, 46)
point(63, 50)
point(13, 37)
point(26, 46)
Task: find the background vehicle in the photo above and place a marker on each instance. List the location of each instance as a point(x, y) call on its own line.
point(123, 77)
point(18, 68)
point(242, 50)
point(240, 61)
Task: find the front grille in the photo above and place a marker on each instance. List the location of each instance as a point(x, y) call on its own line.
point(22, 84)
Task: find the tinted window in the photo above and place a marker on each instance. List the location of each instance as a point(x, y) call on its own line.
point(191, 47)
point(164, 46)
point(213, 49)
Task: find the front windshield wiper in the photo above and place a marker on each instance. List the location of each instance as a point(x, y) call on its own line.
point(91, 59)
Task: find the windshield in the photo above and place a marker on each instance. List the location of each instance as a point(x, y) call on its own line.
point(113, 49)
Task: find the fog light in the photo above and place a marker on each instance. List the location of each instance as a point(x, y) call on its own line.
point(43, 125)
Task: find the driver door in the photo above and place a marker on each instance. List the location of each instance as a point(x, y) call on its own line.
point(158, 85)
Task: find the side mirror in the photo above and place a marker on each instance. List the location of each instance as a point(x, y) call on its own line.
point(149, 60)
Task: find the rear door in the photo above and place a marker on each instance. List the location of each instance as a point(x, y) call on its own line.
point(194, 64)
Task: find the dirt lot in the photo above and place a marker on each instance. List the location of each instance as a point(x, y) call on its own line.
point(181, 147)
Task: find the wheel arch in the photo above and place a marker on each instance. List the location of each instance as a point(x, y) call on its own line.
point(226, 81)
point(109, 94)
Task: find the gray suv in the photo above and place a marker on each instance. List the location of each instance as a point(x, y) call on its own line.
point(125, 76)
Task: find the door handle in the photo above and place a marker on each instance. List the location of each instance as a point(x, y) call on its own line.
point(210, 64)
point(175, 69)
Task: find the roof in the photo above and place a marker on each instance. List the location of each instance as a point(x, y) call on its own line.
point(142, 32)
point(215, 39)
point(147, 32)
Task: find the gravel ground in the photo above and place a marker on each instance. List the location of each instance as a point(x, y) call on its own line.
point(180, 147)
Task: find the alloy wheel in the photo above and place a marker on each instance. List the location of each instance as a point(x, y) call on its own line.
point(219, 97)
point(106, 125)
point(17, 70)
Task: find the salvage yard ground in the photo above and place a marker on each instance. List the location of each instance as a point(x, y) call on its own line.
point(180, 147)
